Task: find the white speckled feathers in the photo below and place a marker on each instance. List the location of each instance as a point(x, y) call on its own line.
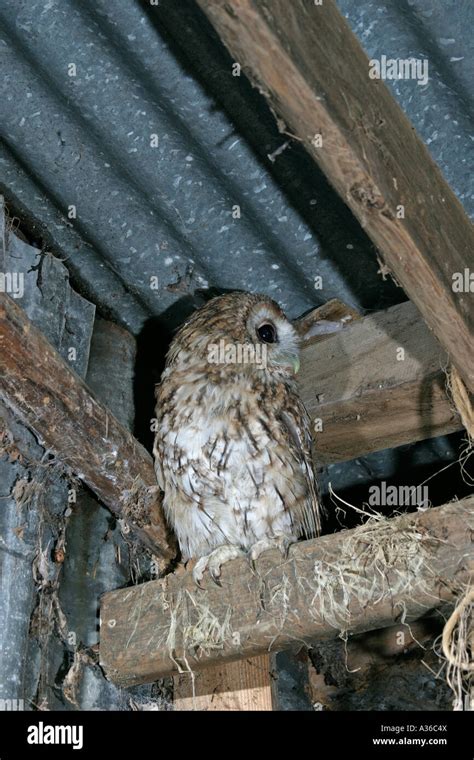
point(232, 448)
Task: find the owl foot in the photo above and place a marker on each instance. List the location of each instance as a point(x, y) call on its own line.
point(282, 543)
point(212, 563)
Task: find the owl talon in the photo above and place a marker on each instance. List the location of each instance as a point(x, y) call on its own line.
point(212, 563)
point(216, 578)
point(282, 543)
point(197, 581)
point(284, 546)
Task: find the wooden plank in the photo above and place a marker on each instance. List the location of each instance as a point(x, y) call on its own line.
point(50, 399)
point(359, 580)
point(233, 686)
point(317, 324)
point(376, 384)
point(311, 68)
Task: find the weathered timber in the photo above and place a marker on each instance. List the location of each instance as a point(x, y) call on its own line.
point(376, 384)
point(230, 686)
point(50, 399)
point(340, 582)
point(313, 71)
point(333, 316)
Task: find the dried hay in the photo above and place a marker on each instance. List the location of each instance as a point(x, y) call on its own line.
point(462, 400)
point(457, 644)
point(199, 636)
point(378, 559)
point(197, 628)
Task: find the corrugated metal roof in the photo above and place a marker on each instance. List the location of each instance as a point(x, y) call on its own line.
point(166, 211)
point(442, 110)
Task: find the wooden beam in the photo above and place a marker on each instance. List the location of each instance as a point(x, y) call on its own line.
point(51, 400)
point(230, 686)
point(378, 383)
point(333, 316)
point(359, 580)
point(315, 75)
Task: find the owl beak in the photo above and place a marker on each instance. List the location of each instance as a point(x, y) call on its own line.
point(287, 362)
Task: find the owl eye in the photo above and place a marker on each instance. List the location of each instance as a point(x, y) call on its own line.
point(267, 333)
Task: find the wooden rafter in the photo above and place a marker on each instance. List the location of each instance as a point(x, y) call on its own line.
point(313, 71)
point(378, 383)
point(50, 399)
point(151, 630)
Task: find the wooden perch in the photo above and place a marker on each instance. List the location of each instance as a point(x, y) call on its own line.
point(387, 571)
point(50, 399)
point(376, 384)
point(311, 68)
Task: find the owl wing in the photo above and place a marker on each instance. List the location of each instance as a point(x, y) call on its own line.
point(158, 467)
point(296, 421)
point(156, 452)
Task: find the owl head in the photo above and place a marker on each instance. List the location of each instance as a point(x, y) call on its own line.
point(238, 332)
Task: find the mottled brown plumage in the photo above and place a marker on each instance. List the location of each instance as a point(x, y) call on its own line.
point(232, 447)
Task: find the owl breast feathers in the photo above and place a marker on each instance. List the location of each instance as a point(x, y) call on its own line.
point(232, 448)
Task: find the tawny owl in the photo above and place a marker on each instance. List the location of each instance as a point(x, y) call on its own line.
point(232, 448)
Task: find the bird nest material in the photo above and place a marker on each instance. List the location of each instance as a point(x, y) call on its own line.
point(458, 649)
point(381, 558)
point(204, 634)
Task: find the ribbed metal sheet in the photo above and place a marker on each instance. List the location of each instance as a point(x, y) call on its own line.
point(166, 211)
point(442, 110)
